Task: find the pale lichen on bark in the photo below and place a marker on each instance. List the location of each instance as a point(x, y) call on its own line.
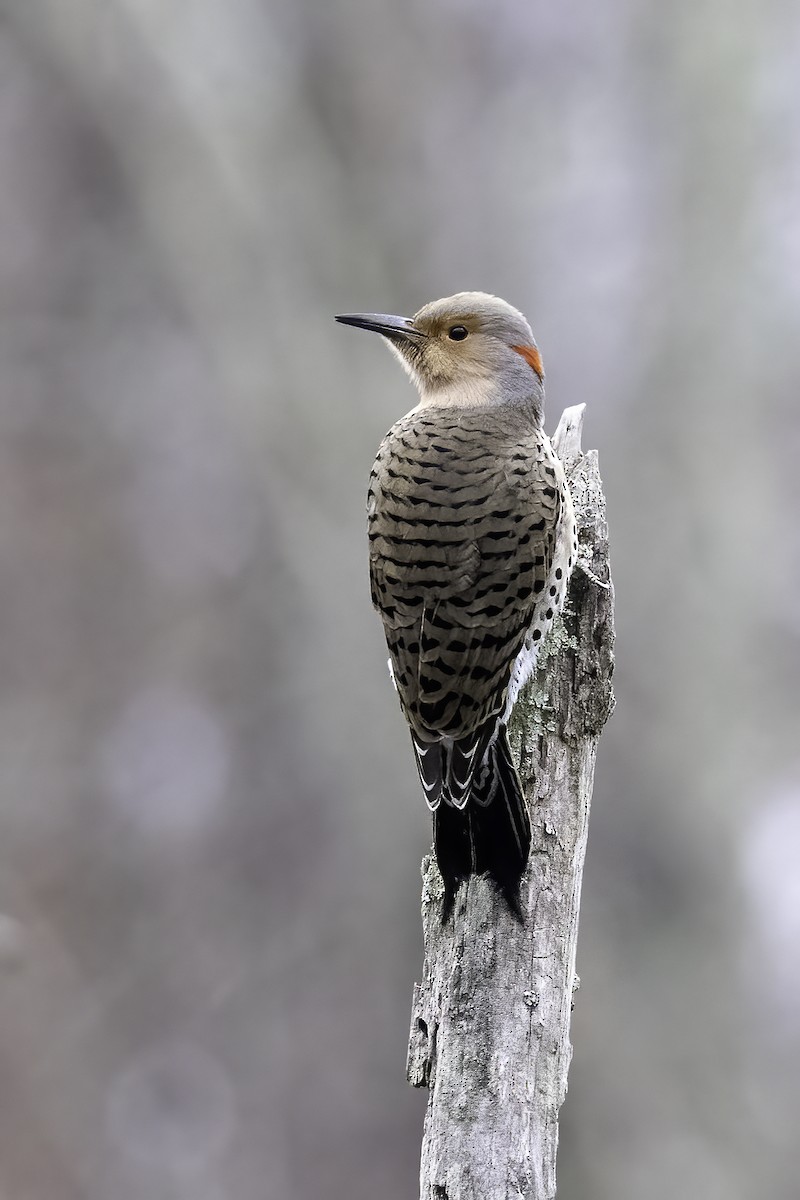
point(490, 1021)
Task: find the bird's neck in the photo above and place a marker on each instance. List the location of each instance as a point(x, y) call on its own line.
point(525, 403)
point(467, 393)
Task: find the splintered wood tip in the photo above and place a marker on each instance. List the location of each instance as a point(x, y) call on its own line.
point(567, 437)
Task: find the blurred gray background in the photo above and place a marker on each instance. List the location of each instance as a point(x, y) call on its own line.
point(210, 826)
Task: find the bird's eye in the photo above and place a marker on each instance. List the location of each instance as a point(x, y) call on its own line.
point(457, 333)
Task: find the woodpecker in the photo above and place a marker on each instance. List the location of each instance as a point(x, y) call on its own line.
point(471, 545)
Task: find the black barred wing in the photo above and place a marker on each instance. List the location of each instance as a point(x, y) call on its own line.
point(462, 524)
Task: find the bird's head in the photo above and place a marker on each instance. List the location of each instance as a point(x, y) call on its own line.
point(466, 350)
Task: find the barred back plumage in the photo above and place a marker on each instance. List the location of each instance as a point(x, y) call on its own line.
point(468, 563)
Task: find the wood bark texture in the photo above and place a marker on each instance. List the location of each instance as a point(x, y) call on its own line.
point(490, 1022)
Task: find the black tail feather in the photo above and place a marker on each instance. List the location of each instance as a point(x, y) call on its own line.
point(491, 834)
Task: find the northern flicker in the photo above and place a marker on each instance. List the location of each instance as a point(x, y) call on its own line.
point(471, 544)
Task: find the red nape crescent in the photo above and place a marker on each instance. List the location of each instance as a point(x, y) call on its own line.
point(532, 357)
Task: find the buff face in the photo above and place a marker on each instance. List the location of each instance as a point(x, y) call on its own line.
point(470, 341)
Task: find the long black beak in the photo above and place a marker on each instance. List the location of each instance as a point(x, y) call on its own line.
point(397, 328)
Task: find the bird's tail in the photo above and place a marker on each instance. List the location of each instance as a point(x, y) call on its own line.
point(491, 833)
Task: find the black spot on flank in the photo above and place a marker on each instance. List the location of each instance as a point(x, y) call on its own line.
point(537, 633)
point(550, 492)
point(479, 673)
point(538, 524)
point(538, 585)
point(457, 647)
point(553, 591)
point(413, 647)
point(524, 592)
point(570, 560)
point(559, 573)
point(549, 614)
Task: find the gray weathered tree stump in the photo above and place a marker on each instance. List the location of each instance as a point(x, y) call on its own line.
point(490, 1022)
